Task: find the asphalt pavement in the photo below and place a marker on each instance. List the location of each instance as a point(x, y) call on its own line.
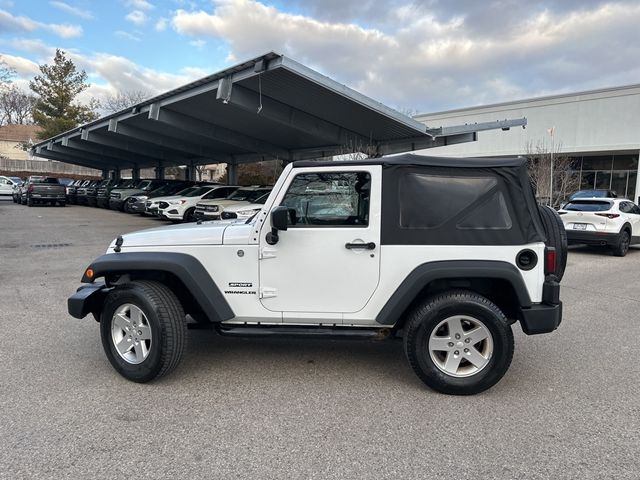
point(569, 407)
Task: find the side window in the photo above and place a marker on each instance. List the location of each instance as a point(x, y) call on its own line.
point(220, 193)
point(635, 210)
point(332, 199)
point(625, 207)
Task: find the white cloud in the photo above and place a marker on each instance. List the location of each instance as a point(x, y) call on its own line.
point(71, 10)
point(64, 31)
point(199, 44)
point(23, 66)
point(126, 35)
point(137, 17)
point(442, 56)
point(11, 23)
point(139, 4)
point(161, 25)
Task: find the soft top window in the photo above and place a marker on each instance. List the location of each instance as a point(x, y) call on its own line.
point(588, 206)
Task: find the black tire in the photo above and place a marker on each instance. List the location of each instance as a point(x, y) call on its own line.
point(426, 317)
point(63, 204)
point(189, 215)
point(621, 247)
point(30, 202)
point(556, 237)
point(166, 319)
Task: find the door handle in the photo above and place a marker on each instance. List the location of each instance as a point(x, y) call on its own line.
point(366, 246)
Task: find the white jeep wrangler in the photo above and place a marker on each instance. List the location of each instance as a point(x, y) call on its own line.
point(445, 253)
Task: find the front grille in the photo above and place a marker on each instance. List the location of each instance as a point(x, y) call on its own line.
point(148, 204)
point(163, 205)
point(115, 195)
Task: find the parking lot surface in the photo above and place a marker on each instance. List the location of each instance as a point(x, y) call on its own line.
point(569, 407)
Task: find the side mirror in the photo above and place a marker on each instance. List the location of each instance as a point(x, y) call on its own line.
point(280, 221)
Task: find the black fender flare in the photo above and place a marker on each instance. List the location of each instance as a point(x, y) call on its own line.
point(424, 274)
point(185, 267)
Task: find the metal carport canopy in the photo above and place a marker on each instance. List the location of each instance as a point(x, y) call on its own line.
point(270, 107)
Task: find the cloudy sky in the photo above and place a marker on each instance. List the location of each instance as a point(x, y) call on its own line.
point(420, 56)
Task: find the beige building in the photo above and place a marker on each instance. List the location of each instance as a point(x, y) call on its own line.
point(13, 136)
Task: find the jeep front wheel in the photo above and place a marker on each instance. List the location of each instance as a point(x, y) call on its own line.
point(143, 330)
point(459, 343)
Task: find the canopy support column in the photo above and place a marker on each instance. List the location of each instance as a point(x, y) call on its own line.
point(232, 174)
point(135, 173)
point(159, 170)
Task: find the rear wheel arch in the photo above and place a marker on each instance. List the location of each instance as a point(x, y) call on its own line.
point(500, 282)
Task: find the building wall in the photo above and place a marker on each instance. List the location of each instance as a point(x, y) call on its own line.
point(11, 149)
point(600, 123)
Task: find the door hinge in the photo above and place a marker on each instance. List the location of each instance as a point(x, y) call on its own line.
point(268, 292)
point(266, 252)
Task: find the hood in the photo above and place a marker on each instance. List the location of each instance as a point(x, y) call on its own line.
point(222, 202)
point(166, 199)
point(174, 235)
point(127, 192)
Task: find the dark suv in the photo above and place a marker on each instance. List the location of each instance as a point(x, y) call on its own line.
point(102, 197)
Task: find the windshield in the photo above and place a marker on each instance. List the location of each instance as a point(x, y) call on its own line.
point(588, 206)
point(15, 179)
point(166, 189)
point(261, 200)
point(198, 192)
point(185, 192)
point(590, 194)
point(245, 195)
point(49, 180)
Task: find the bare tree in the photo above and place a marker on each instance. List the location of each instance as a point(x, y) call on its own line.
point(566, 179)
point(122, 100)
point(356, 149)
point(16, 106)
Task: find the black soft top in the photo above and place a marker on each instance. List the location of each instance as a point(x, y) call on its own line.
point(409, 159)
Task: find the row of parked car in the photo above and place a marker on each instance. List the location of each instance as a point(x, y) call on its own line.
point(174, 200)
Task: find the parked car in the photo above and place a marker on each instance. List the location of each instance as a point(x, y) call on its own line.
point(44, 190)
point(183, 208)
point(119, 196)
point(22, 189)
point(91, 193)
point(104, 192)
point(15, 191)
point(614, 223)
point(83, 192)
point(71, 190)
point(138, 203)
point(450, 279)
point(242, 203)
point(7, 184)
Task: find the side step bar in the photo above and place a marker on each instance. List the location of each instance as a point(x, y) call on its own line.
point(301, 331)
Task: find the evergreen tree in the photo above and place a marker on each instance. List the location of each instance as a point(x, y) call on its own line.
point(56, 87)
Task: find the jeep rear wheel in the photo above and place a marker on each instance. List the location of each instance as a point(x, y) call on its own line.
point(459, 343)
point(143, 330)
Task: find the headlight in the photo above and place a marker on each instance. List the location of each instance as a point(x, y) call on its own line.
point(177, 202)
point(248, 212)
point(140, 199)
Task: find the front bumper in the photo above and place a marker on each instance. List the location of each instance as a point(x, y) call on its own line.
point(102, 202)
point(137, 207)
point(592, 238)
point(171, 214)
point(116, 203)
point(200, 215)
point(88, 299)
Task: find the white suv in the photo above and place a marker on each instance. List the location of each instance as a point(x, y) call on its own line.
point(182, 208)
point(612, 222)
point(210, 209)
